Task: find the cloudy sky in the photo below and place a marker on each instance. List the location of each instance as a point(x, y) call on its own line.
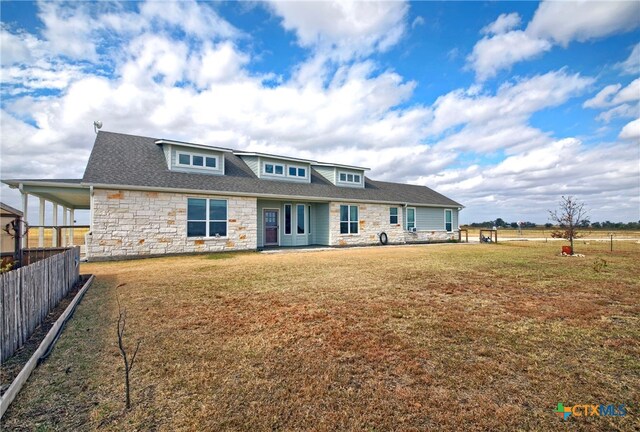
point(503, 106)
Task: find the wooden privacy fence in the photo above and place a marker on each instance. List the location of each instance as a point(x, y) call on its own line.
point(28, 294)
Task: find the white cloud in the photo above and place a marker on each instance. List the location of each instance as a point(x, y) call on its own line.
point(344, 28)
point(492, 54)
point(624, 110)
point(502, 24)
point(604, 176)
point(68, 30)
point(217, 64)
point(555, 22)
point(566, 21)
point(623, 99)
point(631, 131)
point(152, 58)
point(18, 48)
point(603, 98)
point(418, 21)
point(195, 19)
point(511, 101)
point(631, 65)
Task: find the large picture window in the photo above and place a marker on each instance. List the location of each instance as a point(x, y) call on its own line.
point(206, 217)
point(348, 219)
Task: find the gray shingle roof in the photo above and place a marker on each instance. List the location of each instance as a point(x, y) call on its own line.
point(119, 159)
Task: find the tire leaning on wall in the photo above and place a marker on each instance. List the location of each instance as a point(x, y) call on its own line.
point(383, 238)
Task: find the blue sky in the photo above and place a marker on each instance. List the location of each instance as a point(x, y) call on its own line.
point(503, 106)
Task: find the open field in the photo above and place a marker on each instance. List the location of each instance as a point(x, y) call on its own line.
point(546, 233)
point(443, 337)
point(78, 236)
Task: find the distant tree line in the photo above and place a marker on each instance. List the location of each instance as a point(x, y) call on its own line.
point(585, 223)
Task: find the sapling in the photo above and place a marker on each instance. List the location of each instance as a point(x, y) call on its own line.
point(128, 360)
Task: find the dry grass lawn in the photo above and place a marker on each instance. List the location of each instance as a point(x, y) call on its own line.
point(446, 337)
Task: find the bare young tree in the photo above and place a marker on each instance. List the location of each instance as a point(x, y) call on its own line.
point(568, 216)
point(128, 360)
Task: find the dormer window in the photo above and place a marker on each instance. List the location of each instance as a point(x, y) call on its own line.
point(297, 171)
point(194, 160)
point(349, 178)
point(274, 169)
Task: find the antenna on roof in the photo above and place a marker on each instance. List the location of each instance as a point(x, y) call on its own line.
point(97, 125)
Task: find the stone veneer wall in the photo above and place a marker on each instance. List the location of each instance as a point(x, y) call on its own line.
point(137, 223)
point(374, 219)
point(427, 236)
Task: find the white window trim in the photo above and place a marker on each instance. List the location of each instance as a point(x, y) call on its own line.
point(284, 219)
point(397, 215)
point(445, 219)
point(306, 171)
point(304, 219)
point(346, 173)
point(191, 165)
point(207, 221)
point(415, 217)
point(349, 221)
point(264, 169)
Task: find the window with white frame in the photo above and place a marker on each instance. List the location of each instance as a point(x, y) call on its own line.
point(411, 218)
point(448, 220)
point(273, 169)
point(295, 171)
point(206, 217)
point(349, 219)
point(300, 218)
point(287, 218)
point(345, 177)
point(195, 160)
point(393, 215)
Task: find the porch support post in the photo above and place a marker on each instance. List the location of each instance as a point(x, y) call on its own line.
point(64, 223)
point(71, 222)
point(25, 204)
point(41, 222)
point(55, 224)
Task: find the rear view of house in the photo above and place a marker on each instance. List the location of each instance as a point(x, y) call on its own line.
point(151, 196)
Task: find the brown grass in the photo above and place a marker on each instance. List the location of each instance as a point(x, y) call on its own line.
point(447, 337)
point(541, 232)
